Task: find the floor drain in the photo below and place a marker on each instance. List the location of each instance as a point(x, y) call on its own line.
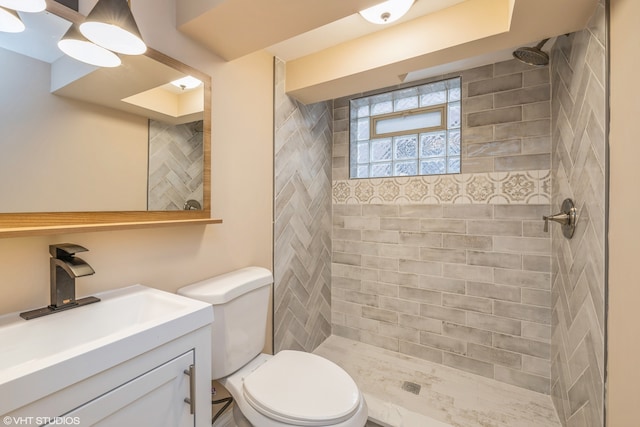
point(411, 387)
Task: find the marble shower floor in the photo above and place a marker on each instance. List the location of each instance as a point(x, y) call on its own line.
point(447, 397)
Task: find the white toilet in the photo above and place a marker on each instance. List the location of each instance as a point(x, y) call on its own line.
point(292, 388)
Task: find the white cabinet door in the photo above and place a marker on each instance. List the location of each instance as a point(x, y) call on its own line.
point(156, 398)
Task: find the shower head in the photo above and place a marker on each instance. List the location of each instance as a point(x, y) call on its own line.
point(532, 55)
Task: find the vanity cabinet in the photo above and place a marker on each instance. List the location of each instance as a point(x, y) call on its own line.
point(156, 398)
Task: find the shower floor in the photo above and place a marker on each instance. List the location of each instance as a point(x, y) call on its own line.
point(410, 392)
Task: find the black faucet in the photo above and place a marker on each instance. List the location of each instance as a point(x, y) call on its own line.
point(64, 267)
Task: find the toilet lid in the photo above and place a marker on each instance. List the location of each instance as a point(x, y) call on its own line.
point(302, 389)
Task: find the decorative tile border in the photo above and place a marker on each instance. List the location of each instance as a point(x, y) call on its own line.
point(521, 187)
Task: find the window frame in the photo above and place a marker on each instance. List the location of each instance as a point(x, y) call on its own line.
point(373, 120)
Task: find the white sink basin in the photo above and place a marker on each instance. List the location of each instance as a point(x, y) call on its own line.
point(126, 322)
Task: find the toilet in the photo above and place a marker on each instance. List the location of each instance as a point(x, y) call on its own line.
point(292, 388)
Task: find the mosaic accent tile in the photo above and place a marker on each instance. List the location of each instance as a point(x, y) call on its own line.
point(518, 187)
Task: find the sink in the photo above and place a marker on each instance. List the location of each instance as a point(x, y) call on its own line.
point(62, 348)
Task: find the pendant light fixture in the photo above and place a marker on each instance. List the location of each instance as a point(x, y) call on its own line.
point(10, 22)
point(32, 6)
point(110, 24)
point(387, 12)
point(74, 44)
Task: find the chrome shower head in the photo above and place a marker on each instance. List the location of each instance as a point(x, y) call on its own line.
point(532, 55)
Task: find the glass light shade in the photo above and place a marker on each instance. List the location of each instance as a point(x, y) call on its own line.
point(387, 12)
point(10, 22)
point(110, 24)
point(81, 49)
point(187, 82)
point(31, 6)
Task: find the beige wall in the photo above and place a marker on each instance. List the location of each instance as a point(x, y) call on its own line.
point(168, 258)
point(623, 398)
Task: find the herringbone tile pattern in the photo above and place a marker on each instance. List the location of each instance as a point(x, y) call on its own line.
point(578, 279)
point(302, 228)
point(175, 165)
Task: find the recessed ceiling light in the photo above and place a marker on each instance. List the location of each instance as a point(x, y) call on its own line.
point(187, 82)
point(387, 12)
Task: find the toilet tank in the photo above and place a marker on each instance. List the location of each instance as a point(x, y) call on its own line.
point(240, 302)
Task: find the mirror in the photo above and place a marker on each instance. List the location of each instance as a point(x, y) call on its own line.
point(111, 144)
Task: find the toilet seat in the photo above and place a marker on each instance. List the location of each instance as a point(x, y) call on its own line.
point(302, 389)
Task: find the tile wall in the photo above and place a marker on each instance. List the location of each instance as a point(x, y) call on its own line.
point(175, 165)
point(578, 272)
point(302, 220)
point(456, 269)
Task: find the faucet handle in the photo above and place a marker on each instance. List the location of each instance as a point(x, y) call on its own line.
point(65, 250)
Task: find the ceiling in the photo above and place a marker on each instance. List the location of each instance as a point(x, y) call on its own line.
point(331, 51)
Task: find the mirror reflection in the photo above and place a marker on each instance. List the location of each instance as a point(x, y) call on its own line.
point(79, 138)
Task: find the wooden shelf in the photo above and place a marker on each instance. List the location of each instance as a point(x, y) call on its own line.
point(87, 228)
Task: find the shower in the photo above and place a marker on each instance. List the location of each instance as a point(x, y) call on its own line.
point(532, 55)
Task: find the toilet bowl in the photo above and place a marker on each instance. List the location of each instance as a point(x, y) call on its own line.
point(291, 388)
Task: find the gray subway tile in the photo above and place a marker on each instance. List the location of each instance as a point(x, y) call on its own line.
point(495, 227)
point(442, 313)
point(430, 240)
point(492, 117)
point(388, 343)
point(536, 297)
point(483, 87)
point(493, 291)
point(467, 303)
point(468, 364)
point(456, 241)
point(443, 343)
point(420, 211)
point(477, 103)
point(376, 288)
point(382, 315)
point(380, 210)
point(466, 333)
point(529, 245)
point(536, 331)
point(494, 323)
point(443, 255)
point(380, 263)
point(537, 76)
point(494, 355)
point(525, 279)
point(522, 162)
point(343, 258)
point(420, 295)
point(421, 351)
point(467, 272)
point(521, 211)
point(400, 224)
point(399, 332)
point(345, 234)
point(420, 323)
point(420, 267)
point(539, 110)
point(522, 312)
point(443, 225)
point(510, 66)
point(468, 211)
point(477, 134)
point(522, 345)
point(494, 259)
point(399, 305)
point(380, 236)
point(523, 129)
point(540, 263)
point(536, 366)
point(444, 284)
point(527, 95)
point(396, 278)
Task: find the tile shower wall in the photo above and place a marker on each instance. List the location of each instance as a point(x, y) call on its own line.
point(175, 165)
point(456, 269)
point(302, 228)
point(578, 272)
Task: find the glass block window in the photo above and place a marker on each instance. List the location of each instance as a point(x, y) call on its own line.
point(411, 131)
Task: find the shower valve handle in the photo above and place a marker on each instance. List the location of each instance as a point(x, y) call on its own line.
point(567, 218)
